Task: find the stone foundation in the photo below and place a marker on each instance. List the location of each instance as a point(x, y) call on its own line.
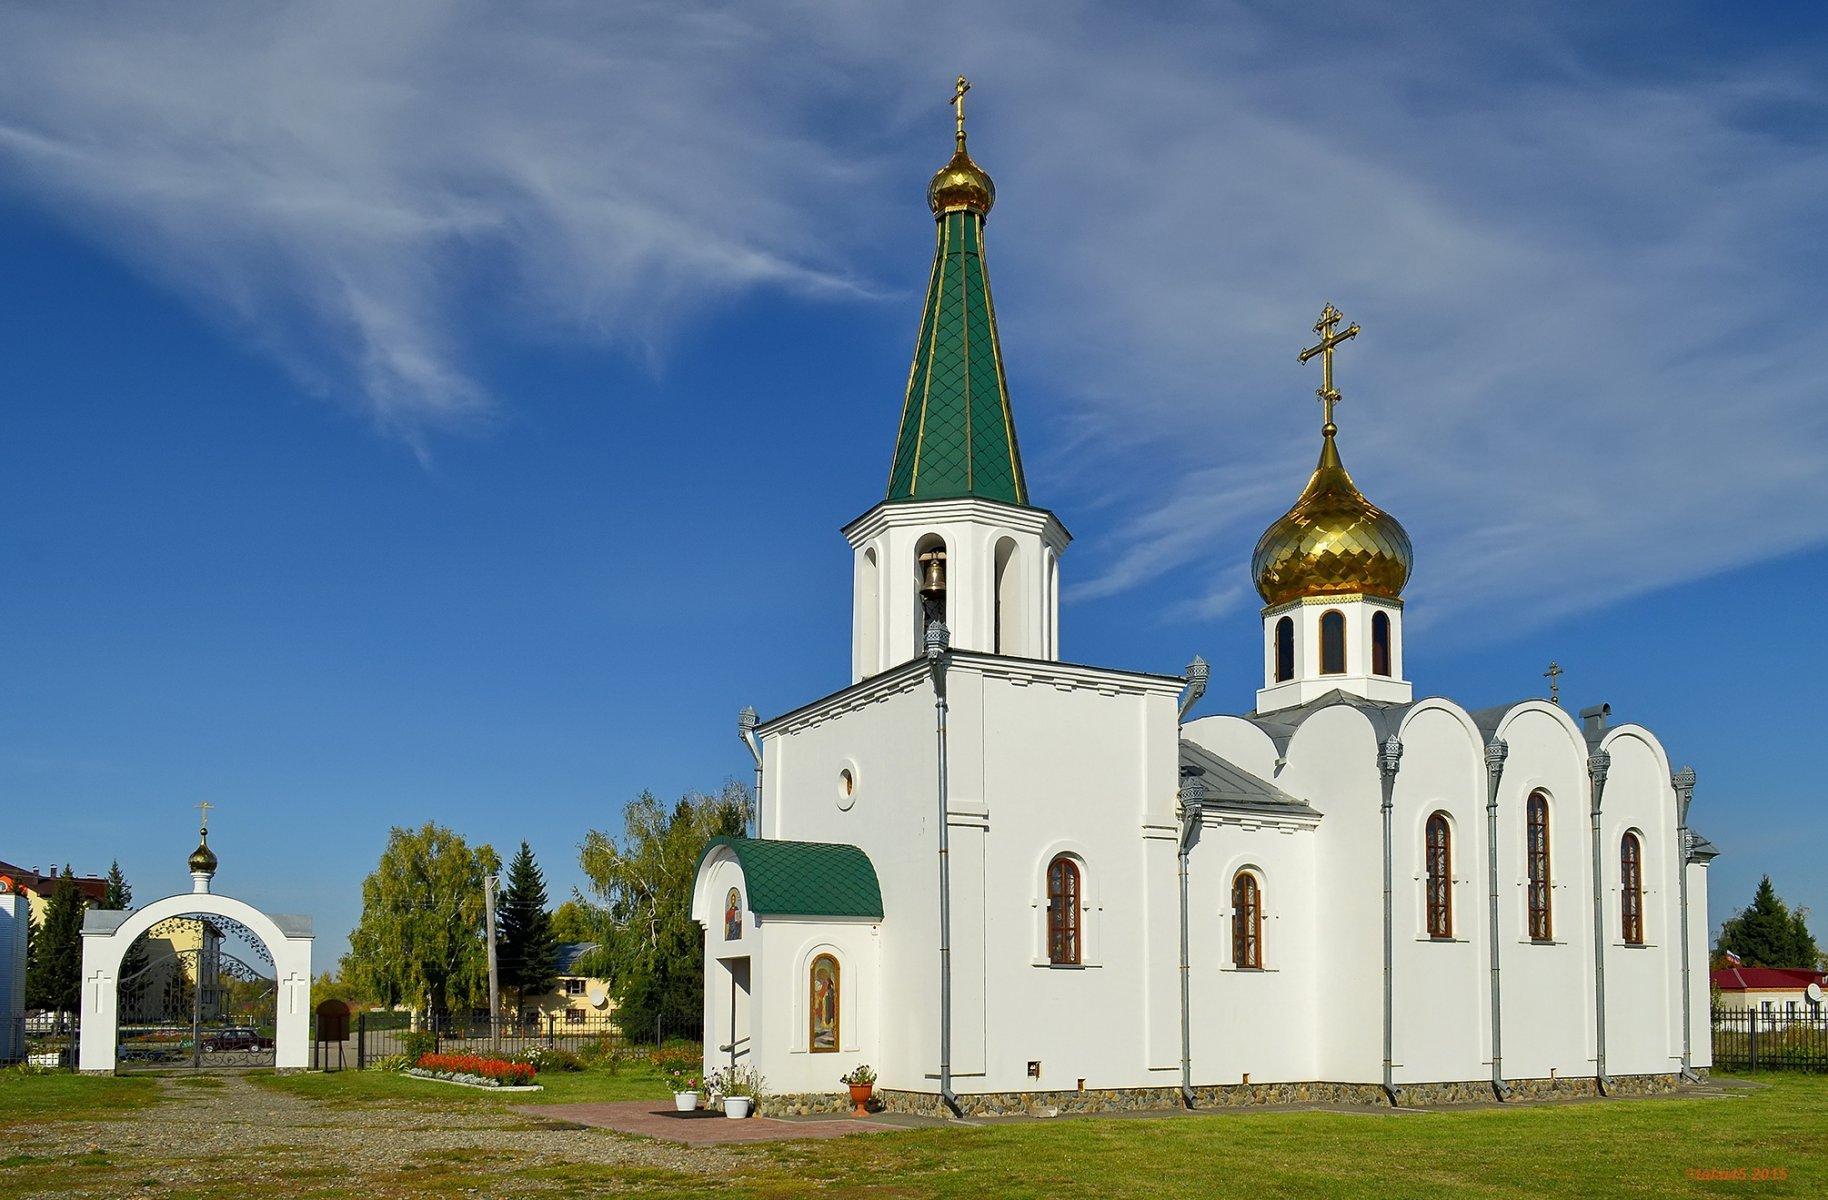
point(1246, 1095)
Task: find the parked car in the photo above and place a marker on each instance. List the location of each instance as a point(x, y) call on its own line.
point(241, 1037)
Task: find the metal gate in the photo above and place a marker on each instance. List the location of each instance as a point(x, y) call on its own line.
point(186, 1002)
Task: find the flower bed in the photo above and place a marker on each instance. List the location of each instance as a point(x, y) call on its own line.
point(475, 1069)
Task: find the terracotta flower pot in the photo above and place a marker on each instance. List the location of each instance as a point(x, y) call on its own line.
point(860, 1096)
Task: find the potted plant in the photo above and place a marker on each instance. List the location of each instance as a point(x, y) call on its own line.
point(862, 1081)
point(741, 1088)
point(685, 1089)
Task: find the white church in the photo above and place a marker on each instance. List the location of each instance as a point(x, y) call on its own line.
point(1002, 879)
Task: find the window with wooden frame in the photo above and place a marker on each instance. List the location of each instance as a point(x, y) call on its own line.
point(1332, 642)
point(1536, 852)
point(1439, 855)
point(1380, 643)
point(1631, 889)
point(1063, 891)
point(1285, 649)
point(1246, 921)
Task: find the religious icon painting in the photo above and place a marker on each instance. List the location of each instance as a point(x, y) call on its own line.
point(822, 1005)
point(733, 916)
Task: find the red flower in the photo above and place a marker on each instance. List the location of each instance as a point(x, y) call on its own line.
point(501, 1070)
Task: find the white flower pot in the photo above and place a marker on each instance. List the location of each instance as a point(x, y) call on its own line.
point(685, 1101)
point(737, 1107)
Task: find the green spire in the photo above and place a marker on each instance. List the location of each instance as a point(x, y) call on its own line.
point(957, 436)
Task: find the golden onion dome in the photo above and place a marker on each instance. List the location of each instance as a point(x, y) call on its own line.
point(961, 184)
point(1332, 542)
point(203, 859)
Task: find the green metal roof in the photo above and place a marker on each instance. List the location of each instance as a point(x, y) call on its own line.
point(957, 435)
point(805, 879)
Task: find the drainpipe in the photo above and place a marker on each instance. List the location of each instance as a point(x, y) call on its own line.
point(1192, 792)
point(1389, 758)
point(939, 641)
point(745, 728)
point(1495, 752)
point(1684, 782)
point(1598, 763)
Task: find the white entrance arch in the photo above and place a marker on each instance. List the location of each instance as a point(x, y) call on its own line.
point(107, 935)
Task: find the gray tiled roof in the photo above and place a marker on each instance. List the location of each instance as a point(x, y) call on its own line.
point(1231, 786)
point(1282, 723)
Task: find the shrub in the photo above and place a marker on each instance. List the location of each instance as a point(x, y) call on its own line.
point(418, 1043)
point(668, 1059)
point(392, 1062)
point(550, 1058)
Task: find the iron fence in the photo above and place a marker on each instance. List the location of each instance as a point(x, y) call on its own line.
point(377, 1036)
point(1780, 1039)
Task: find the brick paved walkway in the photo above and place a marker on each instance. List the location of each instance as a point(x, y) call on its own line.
point(704, 1127)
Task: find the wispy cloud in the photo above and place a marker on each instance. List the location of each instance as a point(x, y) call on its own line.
point(1583, 276)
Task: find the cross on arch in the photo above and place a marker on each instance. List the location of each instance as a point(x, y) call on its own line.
point(203, 807)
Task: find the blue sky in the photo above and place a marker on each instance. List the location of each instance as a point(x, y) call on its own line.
point(442, 413)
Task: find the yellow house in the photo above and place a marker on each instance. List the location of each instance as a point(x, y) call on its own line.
point(575, 999)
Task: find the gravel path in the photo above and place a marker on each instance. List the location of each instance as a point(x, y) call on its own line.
point(239, 1139)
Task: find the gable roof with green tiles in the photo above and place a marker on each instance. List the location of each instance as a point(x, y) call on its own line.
point(804, 879)
point(958, 436)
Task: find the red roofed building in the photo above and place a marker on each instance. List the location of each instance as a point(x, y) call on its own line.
point(1781, 994)
point(37, 888)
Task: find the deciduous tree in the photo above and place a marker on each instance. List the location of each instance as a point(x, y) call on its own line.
point(653, 956)
point(420, 939)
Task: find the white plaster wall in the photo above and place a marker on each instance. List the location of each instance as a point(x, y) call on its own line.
point(1440, 988)
point(1332, 763)
point(1643, 983)
point(1547, 988)
point(1230, 1006)
point(1357, 679)
point(1701, 1032)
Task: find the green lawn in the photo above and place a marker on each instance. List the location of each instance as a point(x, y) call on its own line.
point(1771, 1140)
point(61, 1095)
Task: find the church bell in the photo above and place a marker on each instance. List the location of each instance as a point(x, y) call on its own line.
point(933, 584)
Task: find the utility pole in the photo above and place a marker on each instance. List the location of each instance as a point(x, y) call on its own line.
point(488, 909)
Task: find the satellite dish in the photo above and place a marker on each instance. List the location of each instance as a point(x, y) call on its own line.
point(597, 994)
point(1815, 993)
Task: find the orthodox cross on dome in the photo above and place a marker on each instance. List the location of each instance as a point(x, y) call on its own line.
point(958, 107)
point(203, 806)
point(1553, 675)
point(1330, 318)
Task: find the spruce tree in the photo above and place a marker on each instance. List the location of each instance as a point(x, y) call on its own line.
point(525, 953)
point(1768, 934)
point(53, 980)
point(133, 978)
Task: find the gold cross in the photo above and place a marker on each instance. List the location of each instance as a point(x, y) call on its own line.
point(1330, 318)
point(958, 106)
point(204, 807)
point(1553, 675)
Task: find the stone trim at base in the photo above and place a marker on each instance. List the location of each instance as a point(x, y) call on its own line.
point(1409, 1095)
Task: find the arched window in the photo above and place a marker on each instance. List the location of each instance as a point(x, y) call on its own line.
point(1380, 643)
point(869, 605)
point(930, 585)
point(1440, 878)
point(1246, 921)
point(822, 1005)
point(1631, 889)
point(1536, 851)
point(1285, 649)
point(1063, 911)
point(1006, 632)
point(1333, 642)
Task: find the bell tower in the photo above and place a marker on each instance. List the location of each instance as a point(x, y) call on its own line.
point(956, 538)
point(1331, 572)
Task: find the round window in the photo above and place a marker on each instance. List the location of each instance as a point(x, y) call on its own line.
point(847, 789)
